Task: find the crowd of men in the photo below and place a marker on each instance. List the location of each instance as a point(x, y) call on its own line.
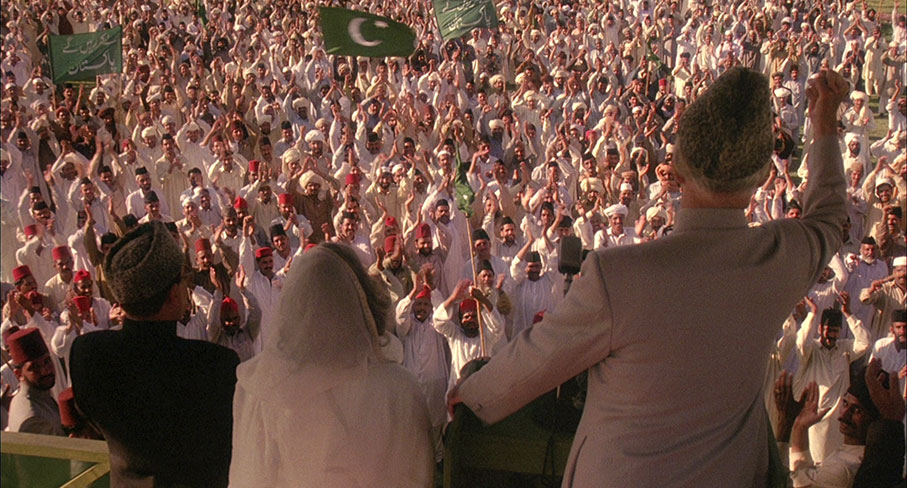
point(251, 144)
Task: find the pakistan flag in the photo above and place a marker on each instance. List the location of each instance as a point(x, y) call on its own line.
point(354, 33)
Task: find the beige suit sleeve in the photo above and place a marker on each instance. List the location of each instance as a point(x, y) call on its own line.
point(574, 337)
point(824, 205)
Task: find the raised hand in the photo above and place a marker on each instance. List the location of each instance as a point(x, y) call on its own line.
point(825, 91)
point(811, 415)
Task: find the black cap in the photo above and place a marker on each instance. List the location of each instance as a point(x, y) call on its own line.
point(859, 389)
point(277, 230)
point(479, 234)
point(151, 197)
point(832, 317)
point(484, 265)
point(899, 315)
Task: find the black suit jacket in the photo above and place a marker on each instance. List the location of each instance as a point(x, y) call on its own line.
point(164, 404)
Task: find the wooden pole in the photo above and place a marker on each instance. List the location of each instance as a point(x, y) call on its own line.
point(475, 282)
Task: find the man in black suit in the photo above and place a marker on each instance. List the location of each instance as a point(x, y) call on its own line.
point(163, 403)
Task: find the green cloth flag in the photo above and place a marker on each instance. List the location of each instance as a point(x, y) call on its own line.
point(354, 33)
point(201, 12)
point(81, 57)
point(465, 195)
point(457, 18)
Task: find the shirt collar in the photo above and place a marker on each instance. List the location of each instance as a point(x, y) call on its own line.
point(691, 219)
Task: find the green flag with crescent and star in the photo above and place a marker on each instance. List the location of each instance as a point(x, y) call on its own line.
point(81, 57)
point(457, 18)
point(354, 33)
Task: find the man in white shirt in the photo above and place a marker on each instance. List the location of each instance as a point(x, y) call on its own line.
point(423, 348)
point(534, 290)
point(616, 234)
point(868, 269)
point(890, 350)
point(457, 319)
point(826, 361)
point(857, 411)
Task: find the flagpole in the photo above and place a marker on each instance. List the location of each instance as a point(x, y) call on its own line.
point(475, 281)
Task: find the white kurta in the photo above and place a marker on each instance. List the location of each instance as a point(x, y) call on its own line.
point(892, 360)
point(862, 277)
point(530, 297)
point(425, 356)
point(266, 291)
point(830, 369)
point(462, 348)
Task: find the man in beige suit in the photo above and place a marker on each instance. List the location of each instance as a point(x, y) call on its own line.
point(662, 411)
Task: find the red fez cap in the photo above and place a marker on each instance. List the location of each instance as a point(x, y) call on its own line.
point(538, 317)
point(69, 416)
point(10, 331)
point(20, 273)
point(662, 82)
point(31, 230)
point(390, 222)
point(468, 305)
point(262, 252)
point(425, 293)
point(229, 305)
point(309, 247)
point(202, 245)
point(423, 232)
point(26, 345)
point(80, 275)
point(240, 203)
point(254, 164)
point(285, 199)
point(60, 252)
point(352, 178)
point(82, 303)
point(389, 242)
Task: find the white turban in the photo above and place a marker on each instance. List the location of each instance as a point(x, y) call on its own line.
point(656, 211)
point(626, 187)
point(618, 209)
point(149, 132)
point(592, 184)
point(313, 136)
point(310, 177)
point(290, 155)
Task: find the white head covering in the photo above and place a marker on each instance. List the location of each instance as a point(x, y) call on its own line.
point(314, 135)
point(323, 337)
point(617, 208)
point(310, 177)
point(290, 155)
point(899, 261)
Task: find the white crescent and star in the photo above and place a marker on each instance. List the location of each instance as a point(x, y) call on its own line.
point(355, 31)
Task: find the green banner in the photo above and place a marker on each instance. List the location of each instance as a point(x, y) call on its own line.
point(465, 195)
point(457, 18)
point(81, 57)
point(354, 33)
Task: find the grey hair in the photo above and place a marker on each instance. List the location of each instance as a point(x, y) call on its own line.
point(724, 138)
